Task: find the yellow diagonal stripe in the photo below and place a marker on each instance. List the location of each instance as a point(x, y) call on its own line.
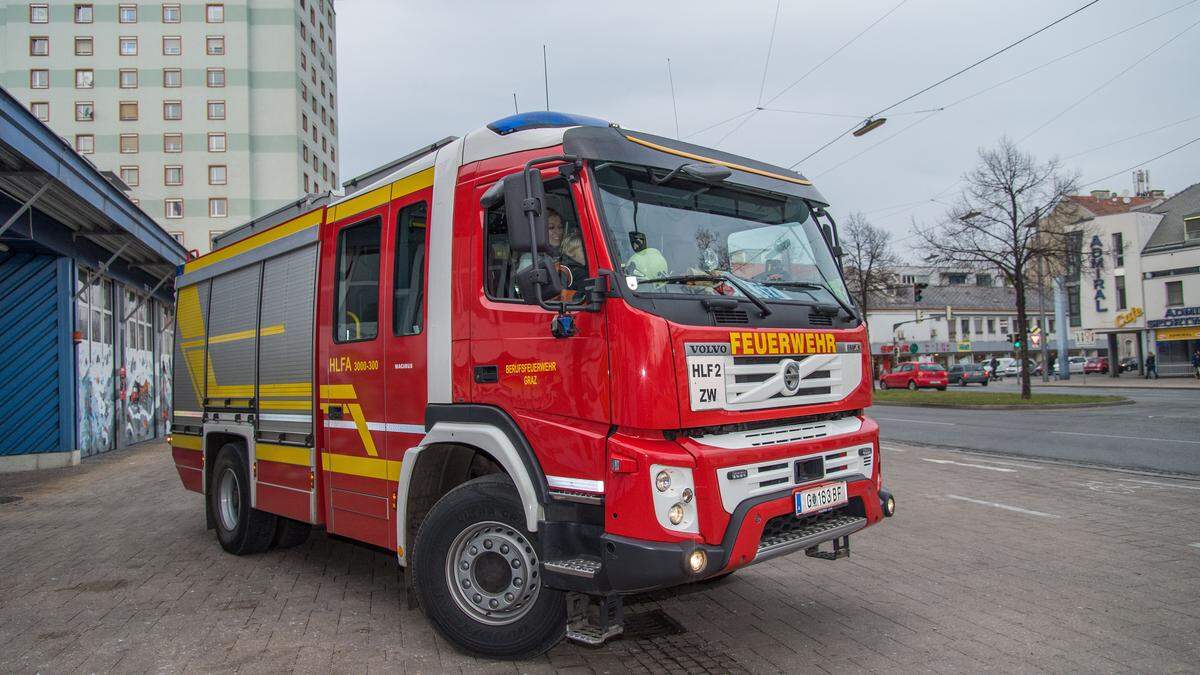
point(284, 454)
point(368, 467)
point(360, 423)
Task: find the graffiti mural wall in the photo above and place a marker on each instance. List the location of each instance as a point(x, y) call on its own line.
point(96, 409)
point(138, 374)
point(166, 353)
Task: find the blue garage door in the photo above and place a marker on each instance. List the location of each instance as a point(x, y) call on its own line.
point(33, 336)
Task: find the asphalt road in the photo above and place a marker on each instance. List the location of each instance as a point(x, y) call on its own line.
point(1159, 432)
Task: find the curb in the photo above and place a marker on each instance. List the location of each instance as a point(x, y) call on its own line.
point(997, 406)
point(1140, 387)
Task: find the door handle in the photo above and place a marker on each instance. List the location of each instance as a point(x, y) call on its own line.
point(487, 374)
point(335, 412)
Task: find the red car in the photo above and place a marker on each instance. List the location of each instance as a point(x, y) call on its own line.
point(915, 376)
point(1096, 364)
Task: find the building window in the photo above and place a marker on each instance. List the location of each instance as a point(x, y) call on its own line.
point(129, 111)
point(83, 46)
point(978, 325)
point(172, 110)
point(85, 111)
point(127, 13)
point(306, 181)
point(173, 207)
point(179, 237)
point(218, 207)
point(1118, 244)
point(130, 175)
point(983, 280)
point(304, 154)
point(1074, 313)
point(217, 174)
point(333, 154)
point(128, 143)
point(39, 46)
point(216, 110)
point(39, 78)
point(1004, 326)
point(127, 46)
point(214, 13)
point(212, 238)
point(1191, 228)
point(1120, 279)
point(172, 142)
point(965, 327)
point(303, 61)
point(129, 78)
point(39, 14)
point(216, 142)
point(40, 110)
point(1050, 323)
point(172, 78)
point(172, 45)
point(170, 14)
point(303, 122)
point(1174, 293)
point(356, 282)
point(215, 46)
point(85, 144)
point(215, 77)
point(173, 175)
point(84, 14)
point(991, 325)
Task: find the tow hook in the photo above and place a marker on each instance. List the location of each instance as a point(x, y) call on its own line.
point(888, 503)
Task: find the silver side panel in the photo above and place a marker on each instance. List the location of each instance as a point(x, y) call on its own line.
point(234, 312)
point(438, 333)
point(285, 359)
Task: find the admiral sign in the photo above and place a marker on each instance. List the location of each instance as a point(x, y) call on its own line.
point(1177, 317)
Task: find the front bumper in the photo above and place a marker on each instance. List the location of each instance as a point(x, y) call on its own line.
point(761, 528)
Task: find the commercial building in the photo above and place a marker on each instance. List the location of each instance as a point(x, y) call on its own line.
point(1171, 282)
point(86, 304)
point(212, 113)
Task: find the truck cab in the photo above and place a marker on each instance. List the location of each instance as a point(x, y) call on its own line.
point(554, 362)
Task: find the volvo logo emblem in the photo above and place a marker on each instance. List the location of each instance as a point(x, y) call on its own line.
point(790, 371)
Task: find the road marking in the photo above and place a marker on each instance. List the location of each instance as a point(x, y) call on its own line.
point(1196, 545)
point(997, 461)
point(1132, 438)
point(1006, 507)
point(1170, 485)
point(901, 419)
point(891, 448)
point(974, 466)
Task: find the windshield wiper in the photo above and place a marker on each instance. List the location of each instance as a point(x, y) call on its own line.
point(732, 279)
point(815, 285)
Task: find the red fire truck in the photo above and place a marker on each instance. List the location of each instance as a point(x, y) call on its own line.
point(548, 364)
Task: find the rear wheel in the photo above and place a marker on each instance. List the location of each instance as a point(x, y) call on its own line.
point(882, 385)
point(912, 385)
point(985, 383)
point(240, 528)
point(477, 572)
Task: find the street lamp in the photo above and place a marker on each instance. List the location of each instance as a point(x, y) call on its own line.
point(966, 217)
point(870, 124)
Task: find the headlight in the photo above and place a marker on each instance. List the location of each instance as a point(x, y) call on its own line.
point(675, 515)
point(662, 481)
point(697, 561)
point(686, 495)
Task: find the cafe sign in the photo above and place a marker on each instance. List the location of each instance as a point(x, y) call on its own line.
point(1127, 317)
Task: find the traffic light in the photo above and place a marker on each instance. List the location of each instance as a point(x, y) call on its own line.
point(917, 288)
point(1016, 341)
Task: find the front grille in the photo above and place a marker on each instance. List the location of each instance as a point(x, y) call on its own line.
point(789, 530)
point(747, 481)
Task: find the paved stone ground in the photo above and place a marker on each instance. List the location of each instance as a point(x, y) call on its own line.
point(990, 565)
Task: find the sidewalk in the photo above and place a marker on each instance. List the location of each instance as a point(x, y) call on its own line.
point(1129, 381)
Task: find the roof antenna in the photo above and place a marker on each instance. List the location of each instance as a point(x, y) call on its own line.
point(516, 110)
point(546, 77)
point(674, 107)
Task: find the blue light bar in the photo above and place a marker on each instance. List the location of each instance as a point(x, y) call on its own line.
point(542, 119)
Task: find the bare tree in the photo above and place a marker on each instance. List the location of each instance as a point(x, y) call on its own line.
point(867, 258)
point(995, 224)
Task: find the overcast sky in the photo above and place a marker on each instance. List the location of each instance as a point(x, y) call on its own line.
point(412, 72)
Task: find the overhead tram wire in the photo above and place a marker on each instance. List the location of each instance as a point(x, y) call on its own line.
point(674, 107)
point(763, 85)
point(1107, 82)
point(1023, 74)
point(1142, 163)
point(721, 123)
point(1130, 138)
point(951, 77)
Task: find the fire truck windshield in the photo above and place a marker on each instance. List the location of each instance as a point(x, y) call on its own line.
point(684, 231)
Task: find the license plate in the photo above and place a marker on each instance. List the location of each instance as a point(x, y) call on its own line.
point(821, 498)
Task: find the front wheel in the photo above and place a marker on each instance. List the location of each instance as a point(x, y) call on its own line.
point(478, 574)
point(912, 385)
point(883, 385)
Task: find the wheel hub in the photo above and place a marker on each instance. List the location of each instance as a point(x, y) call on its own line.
point(492, 572)
point(229, 499)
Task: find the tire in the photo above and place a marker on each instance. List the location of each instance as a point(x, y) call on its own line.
point(883, 385)
point(962, 382)
point(480, 514)
point(941, 389)
point(985, 383)
point(290, 533)
point(912, 385)
point(240, 529)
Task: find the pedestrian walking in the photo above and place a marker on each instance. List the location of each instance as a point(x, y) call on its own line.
point(995, 365)
point(1151, 367)
point(1196, 363)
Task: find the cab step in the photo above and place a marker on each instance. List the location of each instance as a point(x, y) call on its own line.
point(585, 567)
point(592, 620)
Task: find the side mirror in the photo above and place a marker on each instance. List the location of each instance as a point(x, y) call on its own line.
point(518, 207)
point(542, 275)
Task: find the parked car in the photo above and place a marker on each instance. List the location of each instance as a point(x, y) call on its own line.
point(1076, 363)
point(963, 374)
point(1128, 363)
point(1096, 364)
point(915, 376)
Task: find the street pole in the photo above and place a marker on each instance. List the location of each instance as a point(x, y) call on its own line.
point(1060, 320)
point(1037, 220)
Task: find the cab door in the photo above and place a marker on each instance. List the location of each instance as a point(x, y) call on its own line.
point(352, 323)
point(557, 390)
